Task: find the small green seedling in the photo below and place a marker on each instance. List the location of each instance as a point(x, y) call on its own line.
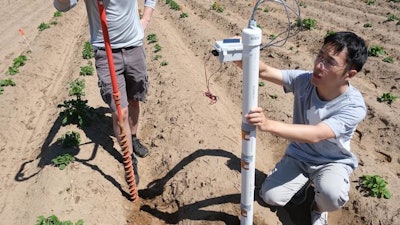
point(71, 139)
point(43, 26)
point(366, 25)
point(217, 7)
point(173, 5)
point(53, 220)
point(388, 59)
point(376, 51)
point(17, 62)
point(157, 48)
point(272, 36)
point(152, 38)
point(63, 160)
point(392, 17)
point(274, 96)
point(183, 15)
point(76, 111)
point(157, 57)
point(87, 52)
point(5, 83)
point(164, 63)
point(261, 84)
point(86, 70)
point(370, 2)
point(57, 14)
point(307, 24)
point(387, 97)
point(374, 186)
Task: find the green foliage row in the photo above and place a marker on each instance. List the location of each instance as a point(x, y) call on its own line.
point(87, 52)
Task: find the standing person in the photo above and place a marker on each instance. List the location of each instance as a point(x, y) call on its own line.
point(126, 32)
point(327, 110)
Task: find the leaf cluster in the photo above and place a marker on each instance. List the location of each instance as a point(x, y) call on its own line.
point(53, 220)
point(43, 26)
point(17, 62)
point(152, 38)
point(374, 186)
point(86, 70)
point(308, 23)
point(63, 160)
point(387, 97)
point(87, 52)
point(217, 7)
point(70, 139)
point(173, 5)
point(376, 50)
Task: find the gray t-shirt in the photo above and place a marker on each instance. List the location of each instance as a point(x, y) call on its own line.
point(123, 21)
point(341, 114)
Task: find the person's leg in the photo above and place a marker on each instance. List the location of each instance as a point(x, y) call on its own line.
point(284, 181)
point(106, 91)
point(332, 185)
point(137, 88)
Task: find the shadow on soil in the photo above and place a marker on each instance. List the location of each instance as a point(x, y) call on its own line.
point(291, 212)
point(99, 131)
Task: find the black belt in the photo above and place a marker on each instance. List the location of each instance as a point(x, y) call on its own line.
point(116, 49)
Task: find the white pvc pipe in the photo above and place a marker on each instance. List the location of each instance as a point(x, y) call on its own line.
point(251, 38)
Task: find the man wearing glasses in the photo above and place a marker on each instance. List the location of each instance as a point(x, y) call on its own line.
point(327, 110)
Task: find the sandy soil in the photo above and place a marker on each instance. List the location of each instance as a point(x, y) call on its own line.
point(192, 175)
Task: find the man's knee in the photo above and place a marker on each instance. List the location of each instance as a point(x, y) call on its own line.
point(331, 198)
point(272, 197)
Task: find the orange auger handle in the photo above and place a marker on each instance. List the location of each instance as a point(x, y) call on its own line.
point(126, 149)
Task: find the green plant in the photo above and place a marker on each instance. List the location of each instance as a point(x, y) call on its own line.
point(274, 96)
point(17, 62)
point(53, 23)
point(57, 14)
point(376, 50)
point(266, 9)
point(387, 97)
point(87, 70)
point(307, 23)
point(374, 185)
point(368, 24)
point(157, 48)
point(303, 4)
point(53, 220)
point(392, 17)
point(261, 84)
point(173, 5)
point(183, 15)
point(70, 139)
point(87, 52)
point(152, 38)
point(157, 57)
point(217, 7)
point(5, 83)
point(397, 1)
point(272, 37)
point(329, 33)
point(164, 63)
point(43, 26)
point(63, 160)
point(76, 111)
point(370, 2)
point(388, 59)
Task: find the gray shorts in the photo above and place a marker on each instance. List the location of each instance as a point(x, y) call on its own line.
point(131, 72)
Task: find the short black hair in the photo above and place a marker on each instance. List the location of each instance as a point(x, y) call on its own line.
point(357, 51)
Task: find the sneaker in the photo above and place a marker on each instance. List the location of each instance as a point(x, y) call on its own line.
point(138, 148)
point(135, 168)
point(318, 218)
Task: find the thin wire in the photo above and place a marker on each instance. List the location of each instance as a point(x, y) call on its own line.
point(289, 31)
point(213, 98)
